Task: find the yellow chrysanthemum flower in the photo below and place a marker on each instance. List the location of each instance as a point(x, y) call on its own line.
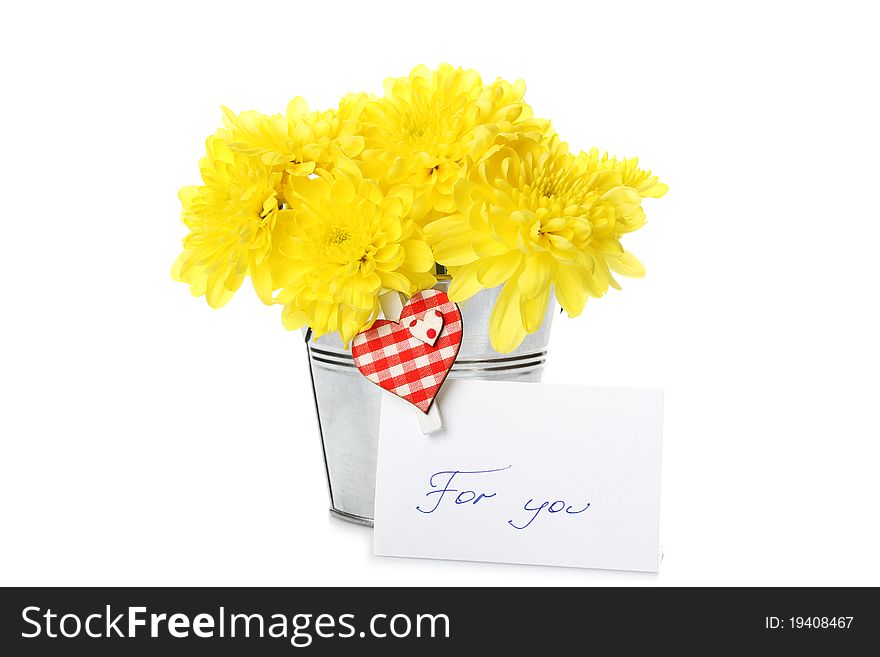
point(533, 217)
point(345, 243)
point(431, 123)
point(230, 218)
point(302, 141)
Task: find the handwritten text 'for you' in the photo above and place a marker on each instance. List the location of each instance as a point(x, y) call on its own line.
point(441, 489)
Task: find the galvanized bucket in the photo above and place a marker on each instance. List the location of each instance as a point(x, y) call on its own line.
point(347, 403)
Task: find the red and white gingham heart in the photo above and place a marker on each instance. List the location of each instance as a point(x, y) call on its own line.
point(389, 355)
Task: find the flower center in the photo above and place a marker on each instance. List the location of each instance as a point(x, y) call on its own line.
point(550, 184)
point(337, 235)
point(420, 125)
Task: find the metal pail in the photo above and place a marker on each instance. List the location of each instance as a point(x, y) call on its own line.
point(347, 403)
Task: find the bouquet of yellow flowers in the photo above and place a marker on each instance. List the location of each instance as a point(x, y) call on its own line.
point(326, 210)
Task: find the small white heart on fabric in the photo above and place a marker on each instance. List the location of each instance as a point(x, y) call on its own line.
point(427, 327)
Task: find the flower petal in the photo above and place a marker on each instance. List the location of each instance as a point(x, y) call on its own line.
point(532, 310)
point(506, 331)
point(492, 272)
point(418, 256)
point(465, 283)
point(537, 274)
point(626, 265)
point(571, 289)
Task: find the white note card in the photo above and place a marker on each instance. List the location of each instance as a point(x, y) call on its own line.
point(523, 473)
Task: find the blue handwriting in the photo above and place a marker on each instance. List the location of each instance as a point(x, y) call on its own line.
point(465, 496)
point(554, 507)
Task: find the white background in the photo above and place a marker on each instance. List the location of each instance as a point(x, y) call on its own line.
point(147, 439)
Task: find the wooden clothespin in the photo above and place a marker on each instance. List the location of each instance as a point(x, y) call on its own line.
point(392, 305)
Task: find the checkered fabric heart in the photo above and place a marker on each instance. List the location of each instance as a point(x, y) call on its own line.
point(392, 357)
